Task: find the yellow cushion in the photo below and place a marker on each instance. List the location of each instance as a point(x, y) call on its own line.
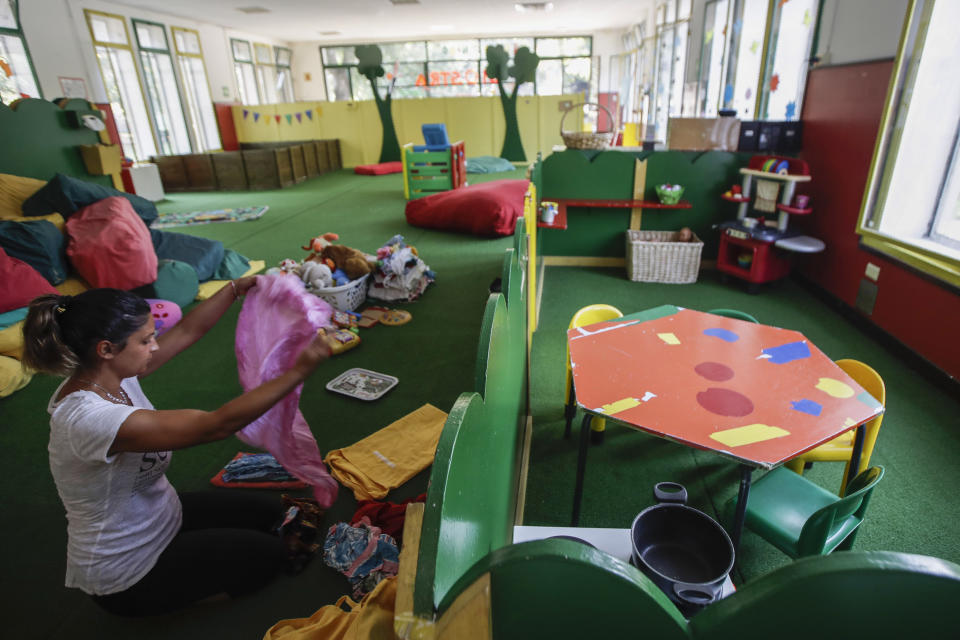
point(72, 286)
point(210, 287)
point(13, 191)
point(11, 340)
point(13, 377)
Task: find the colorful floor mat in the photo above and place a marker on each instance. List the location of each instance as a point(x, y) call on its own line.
point(206, 217)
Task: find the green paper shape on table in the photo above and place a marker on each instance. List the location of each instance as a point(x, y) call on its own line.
point(370, 59)
point(524, 69)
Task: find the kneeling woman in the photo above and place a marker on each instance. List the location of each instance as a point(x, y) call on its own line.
point(134, 544)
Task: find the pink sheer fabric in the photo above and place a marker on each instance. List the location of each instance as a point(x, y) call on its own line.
point(278, 319)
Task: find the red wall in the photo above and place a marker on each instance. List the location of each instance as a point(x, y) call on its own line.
point(841, 115)
point(228, 131)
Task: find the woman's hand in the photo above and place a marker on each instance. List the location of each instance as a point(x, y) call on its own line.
point(313, 354)
point(244, 284)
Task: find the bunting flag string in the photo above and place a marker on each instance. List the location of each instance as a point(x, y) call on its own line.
point(279, 118)
point(309, 113)
point(299, 117)
point(256, 116)
point(246, 112)
point(289, 118)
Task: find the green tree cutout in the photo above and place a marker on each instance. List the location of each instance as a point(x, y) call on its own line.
point(370, 59)
point(524, 69)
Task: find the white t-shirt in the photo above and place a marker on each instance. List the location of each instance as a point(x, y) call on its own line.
point(121, 510)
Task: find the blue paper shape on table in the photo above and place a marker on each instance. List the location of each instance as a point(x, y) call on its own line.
point(807, 406)
point(723, 334)
point(788, 352)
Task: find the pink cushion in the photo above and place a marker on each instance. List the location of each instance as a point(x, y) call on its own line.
point(109, 245)
point(488, 208)
point(19, 283)
point(379, 169)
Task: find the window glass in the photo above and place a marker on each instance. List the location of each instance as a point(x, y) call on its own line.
point(164, 99)
point(746, 58)
point(510, 45)
point(150, 36)
point(712, 56)
point(405, 51)
point(361, 86)
point(186, 41)
point(338, 83)
point(108, 29)
point(246, 83)
point(20, 82)
point(199, 104)
point(263, 53)
point(338, 55)
point(455, 74)
point(7, 19)
point(267, 84)
point(121, 82)
point(576, 75)
point(787, 75)
point(454, 50)
point(550, 77)
point(283, 56)
point(241, 51)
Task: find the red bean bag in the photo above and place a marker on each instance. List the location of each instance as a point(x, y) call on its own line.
point(109, 245)
point(381, 169)
point(19, 283)
point(485, 209)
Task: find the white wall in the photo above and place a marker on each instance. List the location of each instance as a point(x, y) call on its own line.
point(306, 63)
point(60, 44)
point(860, 30)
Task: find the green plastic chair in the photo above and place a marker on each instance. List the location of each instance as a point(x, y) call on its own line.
point(733, 313)
point(802, 519)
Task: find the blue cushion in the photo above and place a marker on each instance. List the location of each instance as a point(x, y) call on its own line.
point(66, 196)
point(38, 243)
point(202, 254)
point(10, 318)
point(176, 282)
point(233, 266)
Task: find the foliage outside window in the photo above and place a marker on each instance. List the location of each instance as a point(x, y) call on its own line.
point(17, 77)
point(121, 81)
point(196, 89)
point(673, 22)
point(911, 207)
point(244, 70)
point(160, 81)
point(446, 68)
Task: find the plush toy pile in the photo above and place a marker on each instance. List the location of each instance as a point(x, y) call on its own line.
point(328, 265)
point(400, 273)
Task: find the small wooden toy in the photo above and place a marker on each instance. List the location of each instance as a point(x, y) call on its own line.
point(394, 317)
point(341, 340)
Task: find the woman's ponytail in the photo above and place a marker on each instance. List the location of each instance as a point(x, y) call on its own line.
point(43, 346)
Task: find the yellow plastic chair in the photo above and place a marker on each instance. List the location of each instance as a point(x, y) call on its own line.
point(841, 448)
point(587, 315)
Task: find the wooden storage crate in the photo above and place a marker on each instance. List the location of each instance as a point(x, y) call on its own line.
point(297, 163)
point(323, 158)
point(173, 175)
point(229, 170)
point(199, 170)
point(284, 166)
point(310, 159)
point(260, 166)
point(333, 146)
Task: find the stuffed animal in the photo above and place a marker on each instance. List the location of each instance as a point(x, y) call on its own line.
point(354, 263)
point(165, 314)
point(316, 275)
point(316, 245)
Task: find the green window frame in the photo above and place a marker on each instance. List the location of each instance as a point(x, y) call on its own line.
point(283, 57)
point(15, 54)
point(245, 71)
point(163, 91)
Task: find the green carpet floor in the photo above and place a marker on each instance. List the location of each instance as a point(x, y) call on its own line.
point(433, 356)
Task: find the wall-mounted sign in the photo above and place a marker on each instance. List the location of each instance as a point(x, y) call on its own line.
point(73, 87)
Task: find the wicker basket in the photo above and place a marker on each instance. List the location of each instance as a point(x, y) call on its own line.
point(586, 139)
point(346, 297)
point(657, 256)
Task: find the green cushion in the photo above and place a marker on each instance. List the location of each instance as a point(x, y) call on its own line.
point(66, 196)
point(38, 243)
point(488, 164)
point(232, 266)
point(176, 282)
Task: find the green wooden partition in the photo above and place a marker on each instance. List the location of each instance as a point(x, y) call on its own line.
point(609, 175)
point(40, 139)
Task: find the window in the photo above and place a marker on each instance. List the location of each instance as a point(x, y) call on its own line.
point(712, 58)
point(121, 81)
point(196, 89)
point(787, 58)
point(746, 27)
point(162, 92)
point(17, 78)
point(244, 70)
point(266, 73)
point(911, 208)
point(442, 68)
point(284, 76)
point(673, 21)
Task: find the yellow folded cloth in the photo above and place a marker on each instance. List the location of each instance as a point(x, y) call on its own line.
point(210, 287)
point(386, 459)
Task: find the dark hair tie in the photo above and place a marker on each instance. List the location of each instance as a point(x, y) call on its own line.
point(61, 308)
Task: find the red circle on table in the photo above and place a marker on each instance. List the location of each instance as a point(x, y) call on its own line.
point(725, 402)
point(714, 371)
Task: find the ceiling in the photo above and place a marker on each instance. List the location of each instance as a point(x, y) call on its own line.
point(381, 20)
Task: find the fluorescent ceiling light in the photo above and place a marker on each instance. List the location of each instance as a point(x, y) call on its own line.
point(525, 7)
point(252, 10)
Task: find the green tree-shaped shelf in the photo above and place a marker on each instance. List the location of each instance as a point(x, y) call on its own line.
point(370, 65)
point(524, 69)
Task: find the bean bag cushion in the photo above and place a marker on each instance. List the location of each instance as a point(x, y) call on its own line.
point(488, 164)
point(485, 209)
point(38, 243)
point(66, 196)
point(19, 283)
point(12, 376)
point(176, 281)
point(165, 314)
point(109, 245)
point(381, 169)
point(232, 266)
point(13, 191)
point(203, 254)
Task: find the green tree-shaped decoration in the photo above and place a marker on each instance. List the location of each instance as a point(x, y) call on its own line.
point(524, 69)
point(370, 58)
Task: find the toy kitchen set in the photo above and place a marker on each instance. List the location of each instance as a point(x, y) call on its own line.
point(756, 247)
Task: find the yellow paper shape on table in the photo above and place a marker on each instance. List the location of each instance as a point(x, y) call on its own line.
point(619, 405)
point(835, 388)
point(669, 338)
point(748, 434)
point(386, 459)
